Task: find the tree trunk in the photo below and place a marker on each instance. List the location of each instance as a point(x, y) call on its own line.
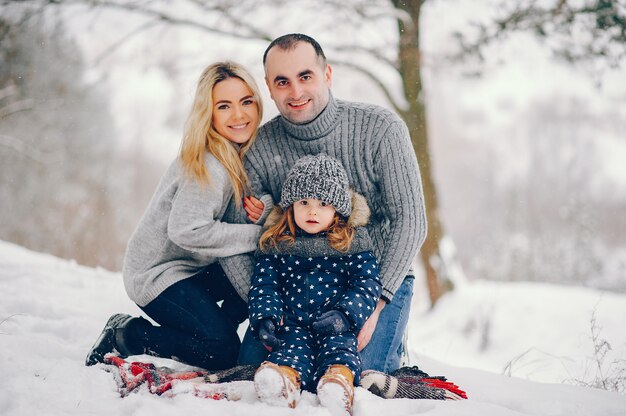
point(415, 118)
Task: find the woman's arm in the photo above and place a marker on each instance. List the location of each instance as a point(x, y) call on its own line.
point(194, 221)
point(258, 209)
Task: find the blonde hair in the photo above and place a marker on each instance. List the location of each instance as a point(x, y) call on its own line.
point(340, 232)
point(200, 135)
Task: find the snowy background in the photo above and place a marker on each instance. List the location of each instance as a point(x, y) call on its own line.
point(489, 338)
point(528, 155)
point(527, 150)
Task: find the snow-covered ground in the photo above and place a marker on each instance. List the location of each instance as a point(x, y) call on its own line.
point(51, 310)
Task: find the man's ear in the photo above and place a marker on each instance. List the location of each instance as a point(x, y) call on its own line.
point(328, 75)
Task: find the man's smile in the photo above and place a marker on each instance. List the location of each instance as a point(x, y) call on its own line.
point(297, 104)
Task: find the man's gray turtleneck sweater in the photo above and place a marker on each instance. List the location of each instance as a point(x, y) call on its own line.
point(374, 146)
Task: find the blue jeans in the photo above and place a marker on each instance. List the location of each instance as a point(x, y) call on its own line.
point(384, 350)
point(193, 328)
point(252, 352)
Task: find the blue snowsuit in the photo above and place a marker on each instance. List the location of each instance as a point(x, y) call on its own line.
point(296, 284)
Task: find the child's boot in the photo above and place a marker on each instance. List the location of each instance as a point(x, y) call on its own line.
point(336, 390)
point(277, 385)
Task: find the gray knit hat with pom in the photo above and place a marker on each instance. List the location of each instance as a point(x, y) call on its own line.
point(318, 177)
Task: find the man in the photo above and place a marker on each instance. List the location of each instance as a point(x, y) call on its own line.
point(374, 146)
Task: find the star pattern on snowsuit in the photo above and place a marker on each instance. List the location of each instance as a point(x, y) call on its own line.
point(297, 290)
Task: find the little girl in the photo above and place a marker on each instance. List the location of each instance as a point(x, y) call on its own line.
point(315, 284)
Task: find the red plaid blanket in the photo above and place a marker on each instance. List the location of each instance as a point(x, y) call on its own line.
point(130, 376)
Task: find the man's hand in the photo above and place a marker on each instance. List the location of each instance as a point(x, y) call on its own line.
point(267, 329)
point(332, 322)
point(254, 208)
point(365, 335)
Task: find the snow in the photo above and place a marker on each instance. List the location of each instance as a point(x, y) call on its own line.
point(51, 311)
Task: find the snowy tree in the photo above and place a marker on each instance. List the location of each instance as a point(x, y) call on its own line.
point(55, 143)
point(380, 41)
point(396, 52)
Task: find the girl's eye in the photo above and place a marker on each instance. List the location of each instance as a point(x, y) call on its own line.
point(303, 202)
point(324, 204)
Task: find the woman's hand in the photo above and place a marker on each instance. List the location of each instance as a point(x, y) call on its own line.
point(365, 335)
point(254, 208)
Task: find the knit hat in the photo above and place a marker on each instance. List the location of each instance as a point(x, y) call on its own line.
point(318, 177)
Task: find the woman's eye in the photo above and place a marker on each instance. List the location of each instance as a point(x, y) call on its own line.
point(222, 107)
point(248, 102)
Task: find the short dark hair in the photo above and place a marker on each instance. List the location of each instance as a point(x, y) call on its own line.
point(291, 40)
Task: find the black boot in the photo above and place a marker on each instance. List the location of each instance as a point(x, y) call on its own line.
point(110, 340)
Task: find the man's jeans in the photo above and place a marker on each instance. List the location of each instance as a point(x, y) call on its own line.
point(384, 351)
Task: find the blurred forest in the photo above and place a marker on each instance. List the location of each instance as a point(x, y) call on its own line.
point(64, 187)
point(522, 197)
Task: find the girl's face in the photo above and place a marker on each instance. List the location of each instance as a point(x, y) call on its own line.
point(313, 215)
point(235, 112)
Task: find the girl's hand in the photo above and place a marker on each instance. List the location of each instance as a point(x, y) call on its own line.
point(254, 208)
point(333, 322)
point(267, 334)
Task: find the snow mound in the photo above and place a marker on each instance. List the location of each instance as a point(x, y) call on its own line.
point(52, 310)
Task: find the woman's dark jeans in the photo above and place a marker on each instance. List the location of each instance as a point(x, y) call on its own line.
point(193, 329)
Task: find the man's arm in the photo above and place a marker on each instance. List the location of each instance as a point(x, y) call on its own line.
point(403, 206)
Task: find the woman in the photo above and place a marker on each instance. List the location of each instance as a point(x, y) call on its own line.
point(170, 269)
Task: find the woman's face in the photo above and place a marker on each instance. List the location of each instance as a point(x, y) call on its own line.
point(235, 112)
point(313, 215)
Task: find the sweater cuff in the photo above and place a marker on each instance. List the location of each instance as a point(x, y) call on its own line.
point(268, 203)
point(387, 295)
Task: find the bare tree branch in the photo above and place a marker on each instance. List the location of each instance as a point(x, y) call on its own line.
point(16, 107)
point(227, 13)
point(374, 53)
point(603, 20)
point(112, 47)
point(31, 152)
point(167, 18)
point(376, 80)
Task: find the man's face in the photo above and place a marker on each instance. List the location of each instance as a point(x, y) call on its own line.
point(298, 82)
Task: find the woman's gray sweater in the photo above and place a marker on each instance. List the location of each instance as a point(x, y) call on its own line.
point(181, 232)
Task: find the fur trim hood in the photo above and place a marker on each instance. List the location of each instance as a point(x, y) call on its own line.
point(359, 217)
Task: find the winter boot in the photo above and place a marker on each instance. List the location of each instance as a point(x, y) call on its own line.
point(110, 340)
point(336, 390)
point(277, 385)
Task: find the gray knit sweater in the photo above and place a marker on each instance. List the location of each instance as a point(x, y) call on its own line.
point(374, 146)
point(181, 232)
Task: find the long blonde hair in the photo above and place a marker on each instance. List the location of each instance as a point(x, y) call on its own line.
point(340, 232)
point(200, 136)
